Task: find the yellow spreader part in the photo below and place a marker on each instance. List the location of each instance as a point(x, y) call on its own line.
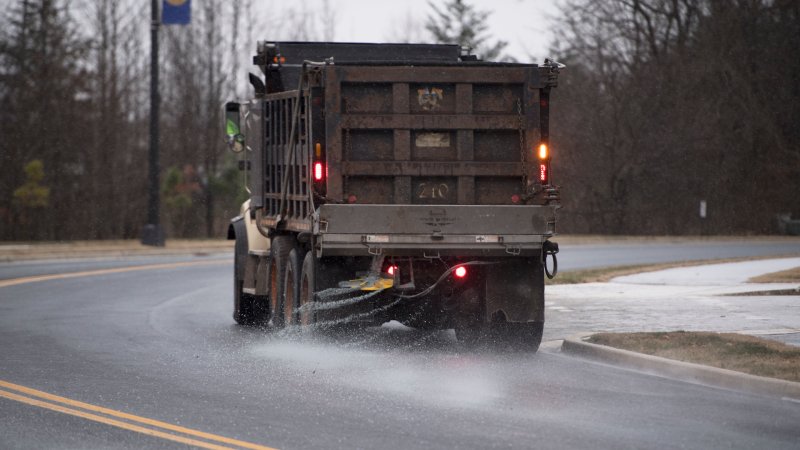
point(369, 283)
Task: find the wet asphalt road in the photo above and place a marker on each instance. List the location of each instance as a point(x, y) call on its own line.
point(571, 257)
point(161, 344)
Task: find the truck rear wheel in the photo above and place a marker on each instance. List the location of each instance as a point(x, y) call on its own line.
point(519, 336)
point(470, 324)
point(280, 248)
point(291, 286)
point(515, 303)
point(469, 334)
point(307, 288)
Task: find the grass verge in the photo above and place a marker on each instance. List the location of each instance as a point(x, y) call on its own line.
point(605, 274)
point(785, 276)
point(21, 251)
point(731, 351)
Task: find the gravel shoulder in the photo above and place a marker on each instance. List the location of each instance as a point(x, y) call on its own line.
point(28, 251)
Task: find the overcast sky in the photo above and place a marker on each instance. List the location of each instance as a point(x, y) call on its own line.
point(525, 24)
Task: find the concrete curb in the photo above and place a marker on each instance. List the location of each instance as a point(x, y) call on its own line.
point(693, 373)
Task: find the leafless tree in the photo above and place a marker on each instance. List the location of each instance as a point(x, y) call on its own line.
point(669, 102)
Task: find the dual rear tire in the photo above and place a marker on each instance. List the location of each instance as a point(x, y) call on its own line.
point(524, 337)
point(473, 327)
point(298, 288)
point(280, 248)
point(291, 282)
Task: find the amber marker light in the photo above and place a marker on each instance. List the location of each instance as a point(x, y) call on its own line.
point(543, 151)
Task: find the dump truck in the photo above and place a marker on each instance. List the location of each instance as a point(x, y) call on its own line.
point(407, 182)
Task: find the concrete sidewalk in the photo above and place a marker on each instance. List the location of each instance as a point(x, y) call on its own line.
point(22, 251)
point(688, 298)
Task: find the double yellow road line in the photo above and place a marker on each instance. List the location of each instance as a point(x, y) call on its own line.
point(120, 419)
point(108, 416)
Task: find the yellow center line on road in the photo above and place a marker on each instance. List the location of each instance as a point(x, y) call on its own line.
point(89, 273)
point(112, 422)
point(122, 415)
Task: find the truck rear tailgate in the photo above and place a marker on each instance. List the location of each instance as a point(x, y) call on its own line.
point(425, 135)
point(445, 229)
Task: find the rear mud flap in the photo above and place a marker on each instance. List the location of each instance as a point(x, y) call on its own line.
point(515, 291)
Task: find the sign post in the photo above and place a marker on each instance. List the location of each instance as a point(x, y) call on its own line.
point(153, 233)
point(175, 12)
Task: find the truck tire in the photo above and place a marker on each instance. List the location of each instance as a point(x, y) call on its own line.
point(515, 304)
point(524, 337)
point(469, 334)
point(247, 309)
point(280, 248)
point(306, 290)
point(470, 324)
point(327, 275)
point(291, 286)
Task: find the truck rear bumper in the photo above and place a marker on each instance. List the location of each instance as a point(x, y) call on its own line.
point(481, 230)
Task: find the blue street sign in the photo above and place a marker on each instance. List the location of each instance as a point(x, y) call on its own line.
point(176, 12)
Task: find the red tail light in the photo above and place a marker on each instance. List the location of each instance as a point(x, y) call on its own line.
point(460, 272)
point(543, 173)
point(391, 270)
point(318, 171)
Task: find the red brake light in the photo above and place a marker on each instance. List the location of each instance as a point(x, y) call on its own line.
point(391, 270)
point(318, 171)
point(543, 173)
point(461, 272)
